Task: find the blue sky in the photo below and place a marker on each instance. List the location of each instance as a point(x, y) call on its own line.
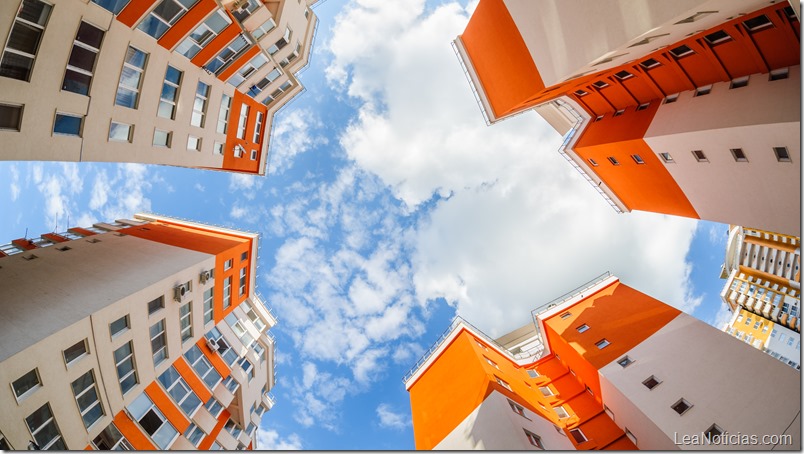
point(389, 208)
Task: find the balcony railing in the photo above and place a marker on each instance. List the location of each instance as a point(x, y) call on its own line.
point(568, 296)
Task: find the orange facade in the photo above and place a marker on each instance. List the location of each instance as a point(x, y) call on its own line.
point(244, 163)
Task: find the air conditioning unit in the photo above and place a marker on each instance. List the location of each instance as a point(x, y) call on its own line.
point(179, 292)
point(205, 276)
point(212, 345)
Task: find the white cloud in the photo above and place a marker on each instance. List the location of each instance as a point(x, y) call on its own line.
point(58, 189)
point(199, 187)
point(15, 182)
point(721, 317)
point(270, 440)
point(248, 184)
point(390, 419)
point(122, 194)
point(294, 133)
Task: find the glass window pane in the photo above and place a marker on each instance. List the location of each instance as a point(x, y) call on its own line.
point(26, 383)
point(35, 11)
point(126, 98)
point(67, 124)
point(130, 77)
point(24, 38)
point(82, 58)
point(89, 35)
point(16, 66)
point(135, 57)
point(10, 117)
point(76, 82)
point(165, 435)
point(75, 351)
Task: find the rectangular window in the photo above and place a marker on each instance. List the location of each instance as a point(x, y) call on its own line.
point(503, 383)
point(193, 143)
point(45, 432)
point(170, 93)
point(68, 124)
point(778, 74)
point(10, 117)
point(208, 305)
point(619, 112)
point(247, 367)
point(582, 328)
point(561, 412)
point(492, 363)
point(128, 90)
point(758, 23)
point(23, 41)
point(242, 121)
point(156, 304)
point(263, 29)
point(215, 408)
point(186, 321)
point(152, 421)
point(159, 341)
point(110, 439)
point(258, 129)
point(518, 409)
point(534, 439)
point(81, 64)
point(781, 154)
point(643, 106)
point(649, 63)
point(202, 367)
point(651, 382)
point(701, 91)
point(717, 37)
point(602, 343)
point(180, 391)
point(120, 132)
point(637, 158)
point(200, 105)
point(76, 351)
point(671, 99)
point(253, 316)
point(578, 436)
point(699, 156)
point(600, 84)
point(124, 361)
point(86, 395)
point(546, 391)
point(631, 436)
point(681, 406)
point(281, 42)
point(194, 435)
point(227, 292)
point(162, 138)
point(227, 55)
point(242, 281)
point(738, 82)
point(203, 34)
point(739, 155)
point(593, 162)
point(682, 51)
point(223, 114)
point(565, 315)
point(532, 373)
point(166, 13)
point(26, 384)
point(114, 6)
point(625, 361)
point(118, 326)
point(253, 155)
point(613, 161)
point(247, 70)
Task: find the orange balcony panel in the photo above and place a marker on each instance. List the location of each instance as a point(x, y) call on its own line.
point(24, 244)
point(187, 23)
point(133, 12)
point(226, 36)
point(132, 432)
point(167, 407)
point(54, 237)
point(237, 64)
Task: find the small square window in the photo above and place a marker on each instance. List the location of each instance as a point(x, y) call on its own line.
point(217, 148)
point(619, 112)
point(162, 138)
point(599, 117)
point(622, 75)
point(120, 132)
point(781, 154)
point(578, 436)
point(713, 431)
point(701, 91)
point(63, 248)
point(93, 240)
point(76, 351)
point(532, 373)
point(503, 383)
point(26, 384)
point(193, 143)
point(593, 162)
point(253, 155)
point(643, 106)
point(546, 391)
point(561, 412)
point(739, 155)
point(481, 345)
point(580, 93)
point(699, 156)
point(666, 157)
point(600, 84)
point(583, 328)
point(156, 304)
point(681, 51)
point(717, 37)
point(625, 361)
point(613, 161)
point(565, 315)
point(779, 74)
point(650, 63)
point(651, 382)
point(68, 124)
point(518, 409)
point(671, 99)
point(120, 325)
point(491, 362)
point(602, 343)
point(10, 117)
point(228, 264)
point(738, 82)
point(637, 158)
point(758, 23)
point(681, 407)
point(534, 439)
point(631, 436)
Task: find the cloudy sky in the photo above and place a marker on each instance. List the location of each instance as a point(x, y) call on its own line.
point(390, 207)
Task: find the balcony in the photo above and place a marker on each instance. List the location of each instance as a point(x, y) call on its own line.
point(268, 400)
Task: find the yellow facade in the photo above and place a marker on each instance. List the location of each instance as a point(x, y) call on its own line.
point(751, 329)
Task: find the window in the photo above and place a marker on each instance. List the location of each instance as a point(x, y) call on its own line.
point(738, 82)
point(86, 395)
point(23, 41)
point(170, 93)
point(717, 37)
point(162, 138)
point(578, 436)
point(244, 256)
point(248, 70)
point(619, 112)
point(681, 51)
point(600, 84)
point(580, 93)
point(156, 304)
point(583, 328)
point(593, 162)
point(599, 117)
point(124, 362)
point(534, 439)
point(227, 55)
point(258, 129)
point(166, 13)
point(120, 132)
point(532, 373)
point(651, 382)
point(637, 158)
point(128, 90)
point(263, 29)
point(186, 321)
point(503, 383)
point(277, 93)
point(43, 427)
point(492, 363)
point(193, 143)
point(114, 6)
point(227, 265)
point(242, 281)
point(778, 74)
point(625, 361)
point(739, 155)
point(203, 34)
point(649, 63)
point(643, 106)
point(622, 75)
point(215, 408)
point(671, 99)
point(223, 113)
point(758, 23)
point(701, 91)
point(152, 421)
point(781, 154)
point(630, 436)
point(546, 391)
point(110, 439)
point(227, 292)
point(10, 117)
point(180, 391)
point(233, 428)
point(589, 390)
point(27, 384)
point(712, 432)
point(281, 42)
point(81, 65)
point(518, 409)
point(118, 326)
point(242, 121)
point(76, 351)
point(681, 406)
point(200, 105)
point(208, 305)
point(613, 161)
point(68, 124)
point(258, 323)
point(565, 315)
point(202, 367)
point(602, 343)
point(194, 435)
point(159, 341)
point(217, 148)
point(561, 412)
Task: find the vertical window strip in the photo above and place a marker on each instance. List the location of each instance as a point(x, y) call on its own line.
point(128, 89)
point(81, 65)
point(23, 41)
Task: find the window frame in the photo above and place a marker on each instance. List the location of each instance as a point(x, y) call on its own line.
point(131, 54)
point(31, 389)
point(67, 362)
point(81, 71)
point(162, 352)
point(78, 394)
point(46, 421)
point(39, 28)
point(133, 371)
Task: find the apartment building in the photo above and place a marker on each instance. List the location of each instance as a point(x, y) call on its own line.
point(191, 83)
point(763, 291)
point(689, 108)
point(144, 333)
point(602, 367)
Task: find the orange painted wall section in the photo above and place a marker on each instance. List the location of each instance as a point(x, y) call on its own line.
point(237, 64)
point(131, 14)
point(214, 358)
point(189, 375)
point(24, 244)
point(54, 237)
point(244, 163)
point(648, 186)
point(195, 239)
point(500, 57)
point(80, 231)
point(187, 23)
point(213, 435)
point(132, 432)
point(226, 36)
point(167, 407)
